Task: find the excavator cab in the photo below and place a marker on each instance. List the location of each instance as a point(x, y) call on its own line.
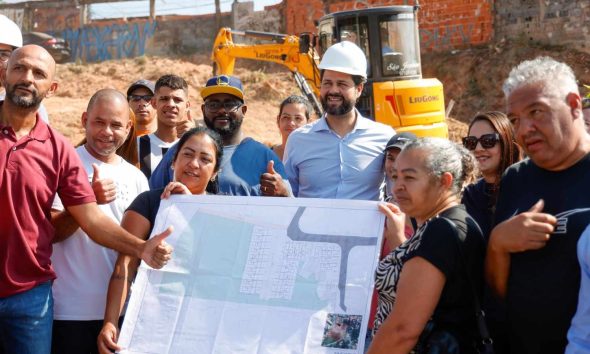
point(395, 93)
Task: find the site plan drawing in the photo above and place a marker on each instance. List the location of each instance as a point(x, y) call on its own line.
point(257, 275)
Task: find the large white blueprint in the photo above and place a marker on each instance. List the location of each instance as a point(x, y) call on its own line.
point(257, 275)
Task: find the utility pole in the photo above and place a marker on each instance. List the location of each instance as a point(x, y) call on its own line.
point(217, 15)
point(152, 10)
point(83, 15)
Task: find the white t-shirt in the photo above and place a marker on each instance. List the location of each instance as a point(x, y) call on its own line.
point(157, 149)
point(82, 266)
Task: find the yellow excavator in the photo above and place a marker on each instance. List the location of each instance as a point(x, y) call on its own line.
point(395, 93)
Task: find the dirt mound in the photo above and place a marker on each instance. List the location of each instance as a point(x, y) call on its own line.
point(77, 82)
point(472, 78)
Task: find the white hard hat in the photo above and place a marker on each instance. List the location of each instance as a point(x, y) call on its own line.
point(10, 33)
point(345, 57)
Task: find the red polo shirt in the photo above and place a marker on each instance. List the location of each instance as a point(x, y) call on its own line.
point(32, 170)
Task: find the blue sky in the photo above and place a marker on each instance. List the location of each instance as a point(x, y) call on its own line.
point(166, 7)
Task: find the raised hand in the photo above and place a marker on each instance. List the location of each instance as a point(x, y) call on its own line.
point(156, 252)
point(530, 230)
point(105, 190)
point(174, 188)
point(185, 125)
point(395, 222)
point(271, 182)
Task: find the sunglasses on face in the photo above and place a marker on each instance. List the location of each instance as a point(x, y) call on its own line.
point(137, 98)
point(487, 141)
point(229, 106)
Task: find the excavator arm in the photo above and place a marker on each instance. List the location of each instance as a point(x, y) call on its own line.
point(295, 53)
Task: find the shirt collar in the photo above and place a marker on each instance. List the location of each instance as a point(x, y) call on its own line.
point(40, 131)
point(361, 123)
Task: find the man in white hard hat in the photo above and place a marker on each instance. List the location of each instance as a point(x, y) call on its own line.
point(10, 39)
point(341, 154)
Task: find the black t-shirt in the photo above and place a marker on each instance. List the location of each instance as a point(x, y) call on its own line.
point(543, 284)
point(147, 204)
point(477, 198)
point(436, 241)
point(439, 246)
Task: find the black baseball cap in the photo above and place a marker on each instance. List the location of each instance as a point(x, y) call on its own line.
point(141, 83)
point(400, 140)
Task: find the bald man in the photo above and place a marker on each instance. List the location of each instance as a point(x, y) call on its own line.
point(84, 268)
point(36, 163)
point(10, 39)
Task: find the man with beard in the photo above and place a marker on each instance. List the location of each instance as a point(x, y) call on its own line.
point(341, 154)
point(84, 268)
point(248, 167)
point(171, 103)
point(36, 163)
point(10, 39)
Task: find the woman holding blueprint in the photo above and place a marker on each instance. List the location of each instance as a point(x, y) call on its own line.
point(195, 165)
point(424, 281)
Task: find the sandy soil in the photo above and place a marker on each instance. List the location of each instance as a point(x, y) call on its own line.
point(264, 88)
point(77, 83)
point(472, 78)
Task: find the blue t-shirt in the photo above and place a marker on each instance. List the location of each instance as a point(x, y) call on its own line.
point(579, 332)
point(240, 170)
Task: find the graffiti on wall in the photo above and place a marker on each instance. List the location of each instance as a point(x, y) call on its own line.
point(113, 41)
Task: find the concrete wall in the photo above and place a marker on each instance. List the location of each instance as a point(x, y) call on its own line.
point(555, 22)
point(56, 18)
point(268, 20)
point(121, 38)
point(188, 35)
point(444, 24)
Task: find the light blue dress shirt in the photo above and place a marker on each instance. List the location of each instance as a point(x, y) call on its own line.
point(321, 164)
point(579, 332)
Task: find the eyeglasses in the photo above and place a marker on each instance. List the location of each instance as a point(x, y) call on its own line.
point(5, 54)
point(487, 141)
point(137, 98)
point(585, 102)
point(229, 106)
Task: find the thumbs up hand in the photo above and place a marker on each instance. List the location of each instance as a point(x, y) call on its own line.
point(105, 190)
point(185, 125)
point(271, 182)
point(156, 252)
point(529, 230)
point(270, 168)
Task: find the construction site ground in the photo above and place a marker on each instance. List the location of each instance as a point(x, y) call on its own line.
point(472, 78)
